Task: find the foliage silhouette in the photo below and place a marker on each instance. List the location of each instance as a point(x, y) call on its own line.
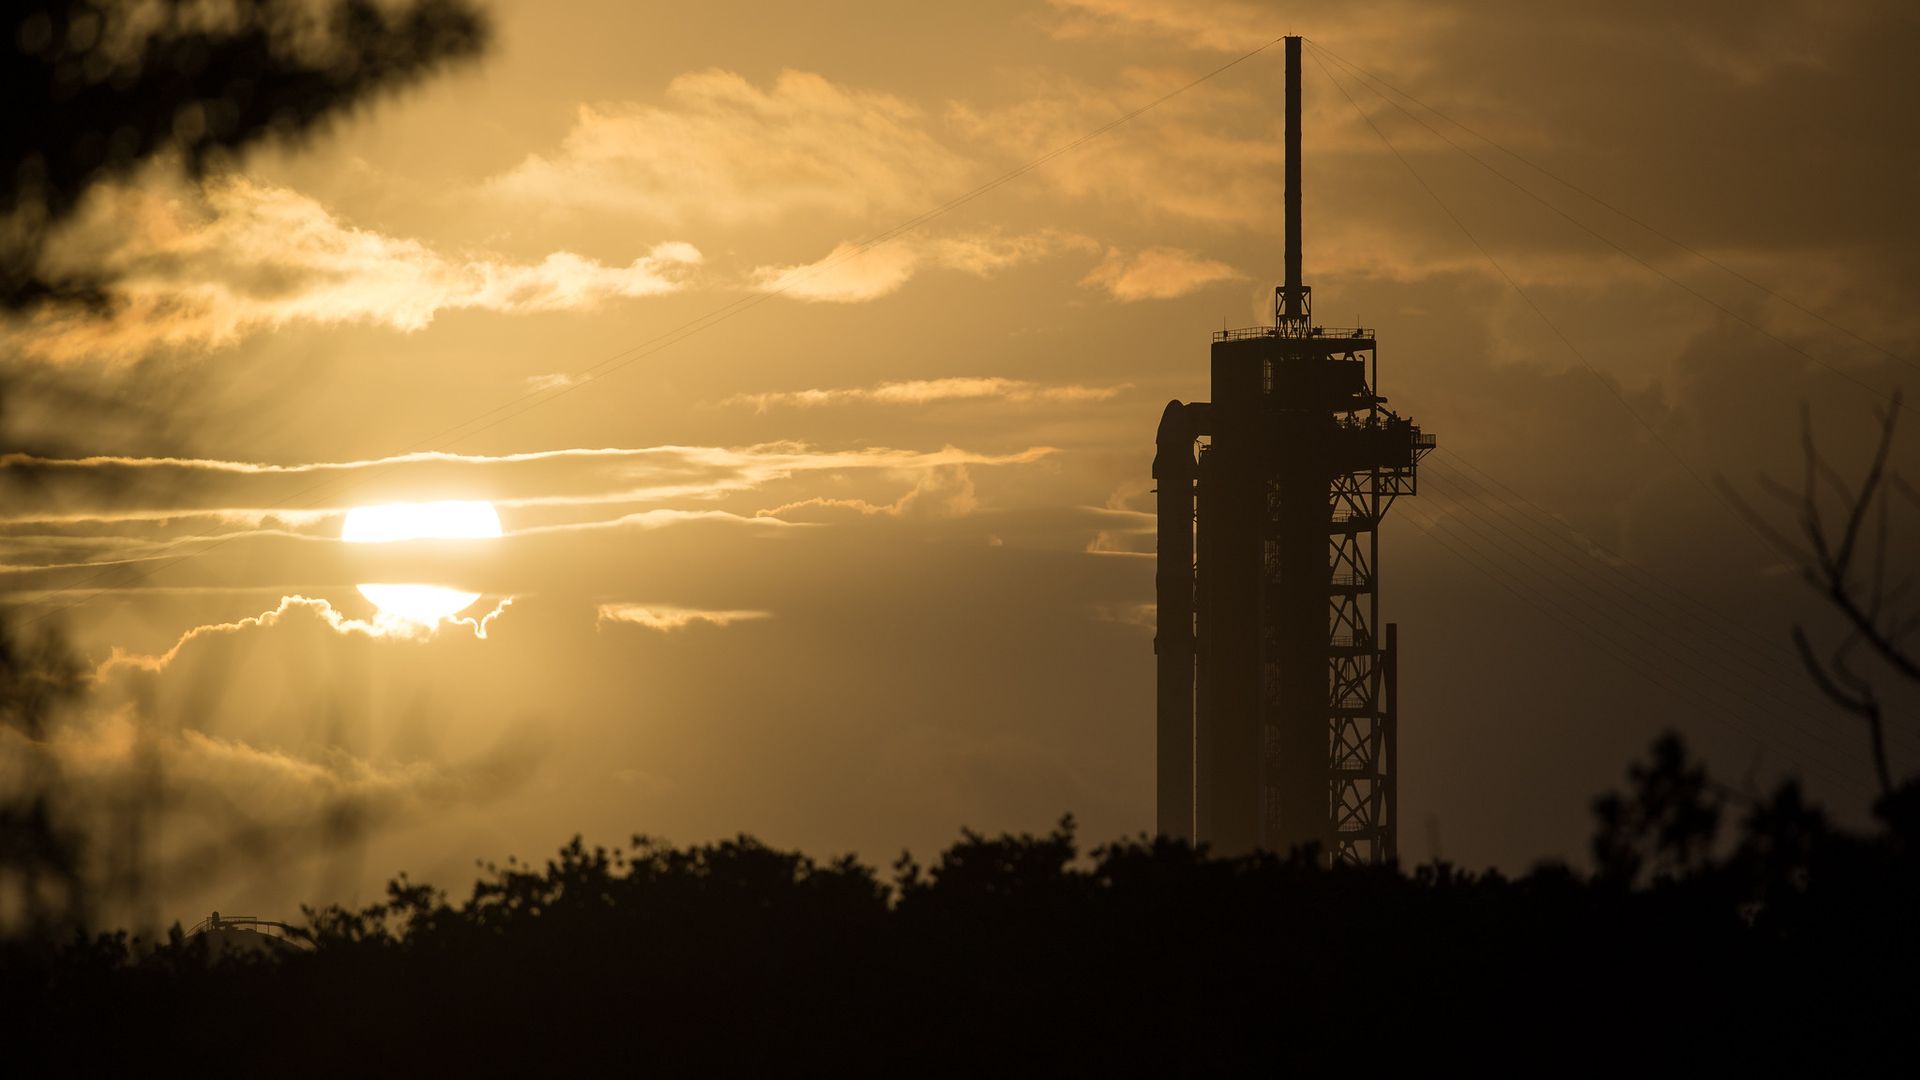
point(42, 883)
point(97, 88)
point(1769, 951)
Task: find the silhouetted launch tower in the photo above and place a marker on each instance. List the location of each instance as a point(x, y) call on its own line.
point(1277, 712)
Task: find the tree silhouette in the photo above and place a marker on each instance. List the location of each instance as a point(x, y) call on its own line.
point(94, 89)
point(42, 885)
point(1850, 563)
point(1787, 951)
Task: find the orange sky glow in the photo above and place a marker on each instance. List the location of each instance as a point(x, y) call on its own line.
point(756, 525)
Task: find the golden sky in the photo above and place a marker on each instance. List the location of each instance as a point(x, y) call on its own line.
point(848, 548)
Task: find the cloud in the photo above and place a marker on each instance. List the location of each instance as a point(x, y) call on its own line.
point(1141, 615)
point(1214, 158)
point(108, 523)
point(102, 746)
point(64, 491)
point(658, 617)
point(943, 492)
point(722, 149)
point(929, 391)
point(207, 268)
point(1219, 26)
point(558, 380)
point(312, 610)
point(1157, 274)
point(197, 813)
point(851, 274)
point(1234, 26)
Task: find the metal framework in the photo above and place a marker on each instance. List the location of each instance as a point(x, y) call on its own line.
point(1277, 692)
point(1361, 680)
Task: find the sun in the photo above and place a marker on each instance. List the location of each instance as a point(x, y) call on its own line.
point(422, 604)
point(452, 519)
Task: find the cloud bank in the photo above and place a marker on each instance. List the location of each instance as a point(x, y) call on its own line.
point(299, 607)
point(205, 269)
point(721, 148)
point(852, 273)
point(1157, 274)
point(42, 490)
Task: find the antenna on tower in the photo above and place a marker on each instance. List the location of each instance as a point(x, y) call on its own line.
point(1293, 300)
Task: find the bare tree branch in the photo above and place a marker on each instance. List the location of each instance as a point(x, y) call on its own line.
point(1829, 564)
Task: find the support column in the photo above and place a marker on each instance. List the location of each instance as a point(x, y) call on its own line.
point(1173, 474)
point(1390, 727)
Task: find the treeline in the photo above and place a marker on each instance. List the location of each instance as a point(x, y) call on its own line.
point(1785, 945)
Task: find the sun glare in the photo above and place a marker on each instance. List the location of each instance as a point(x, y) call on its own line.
point(425, 605)
point(448, 520)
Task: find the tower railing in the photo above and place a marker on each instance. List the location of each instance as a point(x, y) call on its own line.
point(1293, 330)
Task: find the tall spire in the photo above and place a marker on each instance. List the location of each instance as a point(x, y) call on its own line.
point(1293, 299)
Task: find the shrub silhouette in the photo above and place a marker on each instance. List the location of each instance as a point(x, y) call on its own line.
point(1789, 946)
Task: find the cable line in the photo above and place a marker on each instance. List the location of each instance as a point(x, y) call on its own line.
point(1656, 584)
point(1626, 657)
point(1512, 283)
point(1641, 629)
point(1583, 562)
point(1649, 630)
point(1715, 632)
point(1879, 394)
point(1611, 207)
point(1571, 348)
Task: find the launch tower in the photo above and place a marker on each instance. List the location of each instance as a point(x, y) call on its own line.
point(1277, 714)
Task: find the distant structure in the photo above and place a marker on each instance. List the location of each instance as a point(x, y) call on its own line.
point(1278, 724)
point(245, 935)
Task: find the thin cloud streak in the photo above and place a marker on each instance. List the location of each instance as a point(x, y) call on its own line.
point(851, 274)
point(929, 391)
point(119, 488)
point(662, 618)
point(381, 626)
point(945, 492)
point(1232, 26)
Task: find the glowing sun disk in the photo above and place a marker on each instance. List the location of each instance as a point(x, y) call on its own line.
point(423, 604)
point(452, 519)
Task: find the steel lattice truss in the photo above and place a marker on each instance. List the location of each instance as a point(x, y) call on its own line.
point(1360, 784)
point(1360, 787)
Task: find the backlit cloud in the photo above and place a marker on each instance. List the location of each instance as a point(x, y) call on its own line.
point(929, 391)
point(1157, 274)
point(112, 488)
point(205, 269)
point(1214, 159)
point(944, 492)
point(721, 148)
point(111, 522)
point(1241, 25)
point(851, 274)
point(663, 618)
point(299, 607)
